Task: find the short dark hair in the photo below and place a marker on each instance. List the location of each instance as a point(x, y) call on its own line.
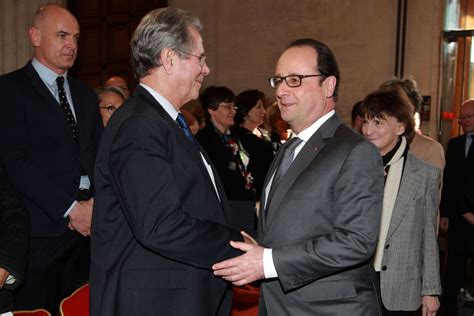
point(394, 103)
point(326, 61)
point(212, 96)
point(410, 88)
point(244, 102)
point(356, 111)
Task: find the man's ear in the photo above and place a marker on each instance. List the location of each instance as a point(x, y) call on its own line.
point(167, 55)
point(35, 36)
point(329, 85)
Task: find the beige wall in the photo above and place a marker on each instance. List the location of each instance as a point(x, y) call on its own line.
point(243, 39)
point(15, 19)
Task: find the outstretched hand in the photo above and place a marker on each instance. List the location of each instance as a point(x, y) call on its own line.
point(244, 269)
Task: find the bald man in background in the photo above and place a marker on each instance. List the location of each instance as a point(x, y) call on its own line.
point(49, 131)
point(456, 209)
point(120, 82)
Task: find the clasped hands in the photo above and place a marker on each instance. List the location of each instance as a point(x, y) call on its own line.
point(243, 269)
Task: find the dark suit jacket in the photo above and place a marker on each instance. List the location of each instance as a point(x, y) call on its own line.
point(14, 225)
point(42, 159)
point(457, 174)
point(322, 222)
point(157, 224)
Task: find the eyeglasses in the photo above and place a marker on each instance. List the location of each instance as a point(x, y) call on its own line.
point(228, 107)
point(110, 108)
point(466, 117)
point(292, 81)
point(202, 57)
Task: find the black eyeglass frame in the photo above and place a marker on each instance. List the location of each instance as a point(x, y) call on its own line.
point(275, 85)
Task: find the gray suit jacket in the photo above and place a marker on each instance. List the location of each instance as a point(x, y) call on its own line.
point(410, 265)
point(322, 223)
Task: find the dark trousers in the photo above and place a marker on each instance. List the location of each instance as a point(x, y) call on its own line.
point(56, 267)
point(455, 270)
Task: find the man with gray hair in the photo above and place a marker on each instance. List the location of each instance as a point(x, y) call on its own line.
point(160, 215)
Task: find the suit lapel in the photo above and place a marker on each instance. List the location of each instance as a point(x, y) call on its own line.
point(307, 154)
point(43, 91)
point(406, 193)
point(185, 142)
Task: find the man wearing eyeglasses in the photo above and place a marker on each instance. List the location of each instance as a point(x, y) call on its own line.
point(456, 215)
point(319, 219)
point(161, 214)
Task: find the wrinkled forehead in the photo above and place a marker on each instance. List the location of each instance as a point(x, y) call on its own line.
point(297, 60)
point(196, 40)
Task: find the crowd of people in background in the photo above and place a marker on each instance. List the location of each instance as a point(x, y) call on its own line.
point(132, 191)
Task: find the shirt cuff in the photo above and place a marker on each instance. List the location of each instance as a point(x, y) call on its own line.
point(69, 209)
point(268, 267)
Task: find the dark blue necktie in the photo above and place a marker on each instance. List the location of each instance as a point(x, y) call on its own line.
point(184, 126)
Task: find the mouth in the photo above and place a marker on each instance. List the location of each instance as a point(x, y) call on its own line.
point(285, 104)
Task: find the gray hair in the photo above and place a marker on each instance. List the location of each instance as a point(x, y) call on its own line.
point(160, 29)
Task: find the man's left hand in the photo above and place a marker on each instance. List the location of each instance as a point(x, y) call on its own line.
point(244, 269)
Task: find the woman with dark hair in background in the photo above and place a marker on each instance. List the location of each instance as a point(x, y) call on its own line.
point(406, 256)
point(224, 149)
point(250, 115)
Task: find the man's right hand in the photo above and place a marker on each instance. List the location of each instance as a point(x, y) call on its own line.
point(80, 217)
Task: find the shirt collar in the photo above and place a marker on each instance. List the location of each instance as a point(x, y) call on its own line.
point(167, 106)
point(306, 134)
point(46, 74)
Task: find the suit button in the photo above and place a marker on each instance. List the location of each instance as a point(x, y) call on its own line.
point(387, 246)
point(384, 268)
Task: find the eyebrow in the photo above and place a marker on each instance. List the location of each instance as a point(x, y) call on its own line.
point(61, 32)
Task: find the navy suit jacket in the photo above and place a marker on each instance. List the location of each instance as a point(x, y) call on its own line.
point(157, 225)
point(41, 157)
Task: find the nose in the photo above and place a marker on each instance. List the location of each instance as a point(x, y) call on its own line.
point(367, 129)
point(205, 69)
point(281, 90)
point(71, 42)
